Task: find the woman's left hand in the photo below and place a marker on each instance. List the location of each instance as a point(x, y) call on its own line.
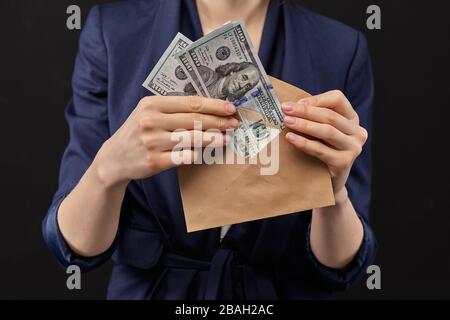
point(327, 127)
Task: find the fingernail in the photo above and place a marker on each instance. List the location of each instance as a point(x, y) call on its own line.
point(230, 108)
point(287, 107)
point(233, 123)
point(289, 120)
point(290, 136)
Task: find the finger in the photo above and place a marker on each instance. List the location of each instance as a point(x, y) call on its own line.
point(313, 148)
point(322, 115)
point(321, 131)
point(166, 141)
point(188, 121)
point(197, 104)
point(334, 100)
point(170, 159)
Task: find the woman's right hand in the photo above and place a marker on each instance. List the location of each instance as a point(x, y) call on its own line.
point(143, 145)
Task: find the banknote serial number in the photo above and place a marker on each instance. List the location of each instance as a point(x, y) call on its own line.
point(226, 310)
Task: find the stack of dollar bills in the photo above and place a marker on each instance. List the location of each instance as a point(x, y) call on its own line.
point(223, 64)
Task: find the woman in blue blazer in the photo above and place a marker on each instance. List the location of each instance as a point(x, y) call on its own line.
point(118, 191)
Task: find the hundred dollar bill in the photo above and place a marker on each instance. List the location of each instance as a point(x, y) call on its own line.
point(168, 77)
point(186, 66)
point(225, 65)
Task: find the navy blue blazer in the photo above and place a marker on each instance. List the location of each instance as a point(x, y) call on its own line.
point(154, 257)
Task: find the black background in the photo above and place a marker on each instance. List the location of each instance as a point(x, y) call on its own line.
point(410, 211)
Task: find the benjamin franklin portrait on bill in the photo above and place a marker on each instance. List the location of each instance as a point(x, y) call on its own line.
point(230, 81)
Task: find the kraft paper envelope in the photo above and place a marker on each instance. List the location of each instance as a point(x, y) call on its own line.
point(222, 194)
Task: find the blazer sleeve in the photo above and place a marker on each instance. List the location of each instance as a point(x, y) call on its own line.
point(87, 118)
point(359, 89)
